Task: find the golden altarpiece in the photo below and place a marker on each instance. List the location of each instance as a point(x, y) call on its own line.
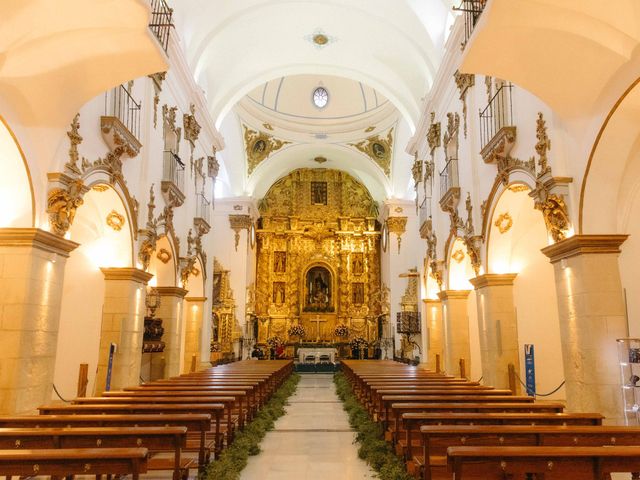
point(318, 258)
point(225, 327)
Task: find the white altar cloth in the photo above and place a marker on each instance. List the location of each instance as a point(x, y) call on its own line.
point(316, 352)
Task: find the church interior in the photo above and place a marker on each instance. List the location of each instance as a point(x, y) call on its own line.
point(407, 217)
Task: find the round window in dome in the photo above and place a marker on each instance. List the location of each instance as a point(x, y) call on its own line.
point(320, 97)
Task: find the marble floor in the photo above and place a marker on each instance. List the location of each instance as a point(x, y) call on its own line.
point(312, 441)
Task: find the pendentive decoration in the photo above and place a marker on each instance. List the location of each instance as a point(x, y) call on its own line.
point(379, 149)
point(397, 225)
point(464, 81)
point(115, 220)
point(238, 223)
point(504, 222)
point(258, 147)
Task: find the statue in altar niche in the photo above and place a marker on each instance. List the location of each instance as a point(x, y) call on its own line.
point(279, 262)
point(319, 295)
point(358, 293)
point(357, 263)
point(278, 292)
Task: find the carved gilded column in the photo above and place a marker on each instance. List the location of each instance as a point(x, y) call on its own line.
point(434, 333)
point(498, 327)
point(592, 316)
point(170, 312)
point(456, 330)
point(122, 324)
point(193, 314)
point(31, 279)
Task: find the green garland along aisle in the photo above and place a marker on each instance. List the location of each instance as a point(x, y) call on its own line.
point(247, 442)
point(373, 448)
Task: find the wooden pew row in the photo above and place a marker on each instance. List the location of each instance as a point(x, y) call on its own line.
point(155, 439)
point(67, 462)
point(548, 463)
point(413, 423)
point(436, 439)
point(198, 425)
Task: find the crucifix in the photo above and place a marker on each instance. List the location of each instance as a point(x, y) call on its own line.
point(317, 321)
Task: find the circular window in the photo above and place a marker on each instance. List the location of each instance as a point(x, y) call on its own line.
point(320, 97)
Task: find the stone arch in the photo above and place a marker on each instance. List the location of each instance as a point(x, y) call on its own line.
point(17, 196)
point(164, 264)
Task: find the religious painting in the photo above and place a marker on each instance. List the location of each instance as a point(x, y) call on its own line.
point(378, 150)
point(279, 262)
point(358, 293)
point(278, 292)
point(357, 263)
point(318, 193)
point(217, 287)
point(319, 295)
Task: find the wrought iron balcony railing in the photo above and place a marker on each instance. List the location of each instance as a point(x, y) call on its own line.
point(173, 170)
point(203, 208)
point(449, 177)
point(497, 114)
point(119, 103)
point(472, 9)
point(425, 210)
point(161, 21)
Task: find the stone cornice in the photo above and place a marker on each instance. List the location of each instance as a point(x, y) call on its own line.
point(196, 299)
point(493, 280)
point(432, 301)
point(454, 295)
point(584, 244)
point(36, 238)
point(130, 274)
point(172, 292)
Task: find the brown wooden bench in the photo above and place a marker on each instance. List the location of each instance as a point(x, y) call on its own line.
point(550, 463)
point(155, 439)
point(76, 461)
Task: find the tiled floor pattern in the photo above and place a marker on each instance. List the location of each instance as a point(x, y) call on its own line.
point(312, 441)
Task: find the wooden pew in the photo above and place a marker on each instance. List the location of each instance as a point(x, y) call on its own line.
point(65, 462)
point(155, 439)
point(550, 463)
point(196, 424)
point(132, 409)
point(436, 440)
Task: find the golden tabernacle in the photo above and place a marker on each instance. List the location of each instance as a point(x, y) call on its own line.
point(318, 257)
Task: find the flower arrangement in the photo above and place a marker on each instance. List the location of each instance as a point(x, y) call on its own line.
point(358, 343)
point(296, 331)
point(341, 330)
point(275, 341)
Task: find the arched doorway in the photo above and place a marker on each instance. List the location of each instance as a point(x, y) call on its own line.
point(17, 202)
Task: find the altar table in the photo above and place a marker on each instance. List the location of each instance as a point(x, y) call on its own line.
point(316, 352)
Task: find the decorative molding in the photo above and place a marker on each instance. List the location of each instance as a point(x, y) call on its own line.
point(320, 160)
point(584, 245)
point(191, 126)
point(543, 145)
point(213, 166)
point(555, 214)
point(36, 238)
point(520, 187)
point(62, 204)
point(458, 256)
point(115, 220)
point(434, 136)
point(499, 147)
point(164, 255)
point(127, 274)
point(378, 149)
point(258, 147)
point(172, 292)
point(504, 222)
point(464, 81)
point(453, 295)
point(397, 225)
point(118, 138)
point(493, 280)
point(238, 223)
point(75, 139)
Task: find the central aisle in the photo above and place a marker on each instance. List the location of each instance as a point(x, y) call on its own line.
point(312, 441)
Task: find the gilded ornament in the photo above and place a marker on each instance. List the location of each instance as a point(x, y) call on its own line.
point(100, 187)
point(238, 223)
point(164, 255)
point(115, 220)
point(519, 188)
point(75, 139)
point(397, 225)
point(268, 126)
point(191, 126)
point(379, 149)
point(433, 134)
point(543, 145)
point(320, 160)
point(458, 256)
point(213, 166)
point(258, 147)
point(464, 81)
point(556, 217)
point(62, 204)
point(504, 222)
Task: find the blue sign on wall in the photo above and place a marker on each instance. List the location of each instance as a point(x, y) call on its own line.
point(530, 369)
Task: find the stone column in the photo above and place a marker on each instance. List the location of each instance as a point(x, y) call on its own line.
point(592, 316)
point(123, 324)
point(434, 331)
point(456, 330)
point(32, 265)
point(170, 312)
point(194, 313)
point(497, 326)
